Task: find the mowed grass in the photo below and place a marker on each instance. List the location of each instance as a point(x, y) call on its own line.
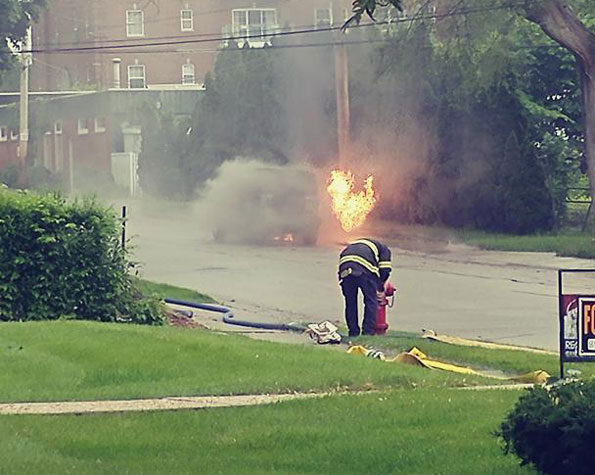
point(72, 360)
point(169, 291)
point(510, 362)
point(439, 431)
point(567, 244)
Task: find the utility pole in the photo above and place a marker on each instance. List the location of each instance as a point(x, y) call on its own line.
point(342, 90)
point(26, 58)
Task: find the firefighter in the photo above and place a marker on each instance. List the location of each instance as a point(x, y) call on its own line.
point(364, 264)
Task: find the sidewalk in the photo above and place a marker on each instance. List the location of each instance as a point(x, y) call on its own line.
point(139, 405)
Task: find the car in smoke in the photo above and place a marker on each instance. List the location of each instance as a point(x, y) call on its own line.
point(254, 203)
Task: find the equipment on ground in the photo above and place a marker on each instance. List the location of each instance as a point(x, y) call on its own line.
point(323, 333)
point(416, 357)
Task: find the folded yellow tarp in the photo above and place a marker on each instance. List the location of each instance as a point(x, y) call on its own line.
point(418, 358)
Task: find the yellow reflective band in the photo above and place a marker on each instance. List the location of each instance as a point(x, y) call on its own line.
point(361, 261)
point(384, 265)
point(370, 244)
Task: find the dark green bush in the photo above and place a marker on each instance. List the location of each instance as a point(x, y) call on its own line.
point(554, 429)
point(9, 175)
point(60, 258)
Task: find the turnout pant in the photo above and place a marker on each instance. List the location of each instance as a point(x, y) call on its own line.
point(368, 285)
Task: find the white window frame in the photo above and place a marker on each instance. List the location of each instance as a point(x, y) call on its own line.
point(58, 127)
point(14, 135)
point(246, 29)
point(3, 133)
point(82, 126)
point(317, 21)
point(188, 77)
point(188, 21)
point(143, 77)
point(130, 24)
point(99, 127)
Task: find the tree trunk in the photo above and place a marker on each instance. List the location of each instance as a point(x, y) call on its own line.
point(557, 19)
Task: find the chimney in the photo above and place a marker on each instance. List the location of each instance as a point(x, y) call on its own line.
point(117, 83)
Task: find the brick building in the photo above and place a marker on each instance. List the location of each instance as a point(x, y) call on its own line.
point(87, 136)
point(101, 23)
point(73, 130)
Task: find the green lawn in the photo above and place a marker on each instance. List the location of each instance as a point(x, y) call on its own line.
point(444, 431)
point(169, 291)
point(508, 361)
point(568, 244)
point(418, 422)
point(65, 360)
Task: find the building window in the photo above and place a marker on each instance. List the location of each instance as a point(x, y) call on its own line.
point(14, 135)
point(187, 19)
point(135, 24)
point(82, 127)
point(188, 73)
point(58, 127)
point(3, 134)
point(136, 76)
point(323, 17)
point(100, 125)
point(254, 23)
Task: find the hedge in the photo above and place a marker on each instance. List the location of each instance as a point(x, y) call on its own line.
point(553, 428)
point(62, 258)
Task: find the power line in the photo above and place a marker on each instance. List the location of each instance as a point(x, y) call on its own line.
point(270, 35)
point(268, 48)
point(196, 14)
point(297, 46)
point(214, 36)
point(149, 21)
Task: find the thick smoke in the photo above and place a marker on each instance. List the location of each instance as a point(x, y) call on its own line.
point(389, 140)
point(253, 202)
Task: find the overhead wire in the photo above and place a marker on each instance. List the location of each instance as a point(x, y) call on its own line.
point(219, 38)
point(151, 21)
point(120, 40)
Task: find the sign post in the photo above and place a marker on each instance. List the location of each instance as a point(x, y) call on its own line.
point(576, 314)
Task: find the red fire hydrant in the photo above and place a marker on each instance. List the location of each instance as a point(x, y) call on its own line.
point(386, 298)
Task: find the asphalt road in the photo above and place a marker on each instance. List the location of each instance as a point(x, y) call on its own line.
point(452, 289)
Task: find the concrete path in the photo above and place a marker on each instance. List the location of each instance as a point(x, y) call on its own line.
point(142, 405)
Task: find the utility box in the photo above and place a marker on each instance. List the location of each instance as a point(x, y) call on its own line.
point(125, 171)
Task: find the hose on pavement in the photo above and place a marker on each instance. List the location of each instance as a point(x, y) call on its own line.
point(229, 318)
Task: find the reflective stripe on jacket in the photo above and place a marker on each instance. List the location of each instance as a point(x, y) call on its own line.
point(365, 256)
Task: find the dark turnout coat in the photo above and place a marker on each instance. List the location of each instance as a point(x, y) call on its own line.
point(366, 256)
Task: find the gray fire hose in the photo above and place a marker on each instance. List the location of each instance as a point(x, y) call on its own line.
point(230, 320)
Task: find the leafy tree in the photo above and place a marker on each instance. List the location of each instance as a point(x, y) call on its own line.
point(165, 153)
point(463, 145)
point(240, 114)
point(558, 20)
point(15, 17)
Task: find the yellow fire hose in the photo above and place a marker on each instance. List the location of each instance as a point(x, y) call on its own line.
point(455, 340)
point(417, 358)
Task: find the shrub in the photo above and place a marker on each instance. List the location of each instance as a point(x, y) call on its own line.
point(64, 258)
point(9, 175)
point(554, 428)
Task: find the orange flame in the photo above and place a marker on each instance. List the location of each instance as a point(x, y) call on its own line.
point(350, 208)
point(286, 238)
